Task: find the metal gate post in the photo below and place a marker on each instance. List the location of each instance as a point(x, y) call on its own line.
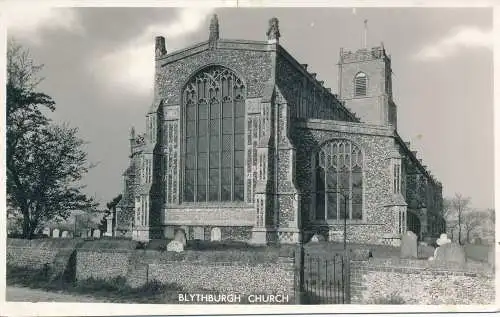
point(299, 273)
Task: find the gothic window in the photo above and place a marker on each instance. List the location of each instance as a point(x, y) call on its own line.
point(360, 83)
point(402, 221)
point(397, 178)
point(214, 136)
point(339, 181)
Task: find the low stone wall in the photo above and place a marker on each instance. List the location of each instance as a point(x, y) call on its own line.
point(139, 267)
point(30, 257)
point(102, 264)
point(228, 277)
point(40, 254)
point(420, 282)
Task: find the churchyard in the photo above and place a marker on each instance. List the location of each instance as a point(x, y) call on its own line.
point(122, 270)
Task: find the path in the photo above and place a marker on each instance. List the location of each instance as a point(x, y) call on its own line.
point(24, 294)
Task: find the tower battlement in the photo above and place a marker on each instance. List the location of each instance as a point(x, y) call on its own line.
point(363, 54)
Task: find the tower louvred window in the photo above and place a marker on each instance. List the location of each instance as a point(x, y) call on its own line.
point(360, 82)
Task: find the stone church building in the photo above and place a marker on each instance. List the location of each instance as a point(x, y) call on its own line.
point(243, 143)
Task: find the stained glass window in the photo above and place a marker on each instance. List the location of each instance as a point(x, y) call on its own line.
point(339, 181)
point(214, 112)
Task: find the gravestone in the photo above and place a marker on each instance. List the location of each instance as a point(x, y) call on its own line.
point(199, 233)
point(215, 234)
point(55, 233)
point(46, 231)
point(109, 226)
point(169, 232)
point(96, 233)
point(450, 253)
point(64, 234)
point(408, 245)
point(175, 246)
point(180, 236)
point(317, 238)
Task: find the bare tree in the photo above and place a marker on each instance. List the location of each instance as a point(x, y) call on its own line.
point(459, 205)
point(471, 221)
point(447, 214)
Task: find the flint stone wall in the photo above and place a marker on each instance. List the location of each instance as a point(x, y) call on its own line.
point(227, 277)
point(421, 282)
point(39, 254)
point(139, 267)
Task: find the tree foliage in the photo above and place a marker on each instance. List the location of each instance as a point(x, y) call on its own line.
point(44, 161)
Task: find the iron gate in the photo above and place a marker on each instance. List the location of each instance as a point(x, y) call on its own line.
point(324, 278)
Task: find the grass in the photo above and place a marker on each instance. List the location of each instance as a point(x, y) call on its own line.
point(113, 290)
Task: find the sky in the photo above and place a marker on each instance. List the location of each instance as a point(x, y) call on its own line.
point(99, 70)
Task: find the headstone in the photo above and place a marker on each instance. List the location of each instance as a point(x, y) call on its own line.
point(317, 238)
point(46, 231)
point(408, 245)
point(169, 232)
point(199, 233)
point(450, 253)
point(491, 257)
point(64, 234)
point(109, 226)
point(175, 246)
point(55, 233)
point(96, 233)
point(180, 236)
point(215, 234)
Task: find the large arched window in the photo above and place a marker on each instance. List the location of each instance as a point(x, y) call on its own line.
point(339, 181)
point(360, 83)
point(214, 112)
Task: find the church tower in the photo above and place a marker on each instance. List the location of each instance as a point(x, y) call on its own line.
point(365, 84)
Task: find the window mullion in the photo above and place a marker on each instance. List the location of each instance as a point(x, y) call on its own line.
point(196, 138)
point(207, 175)
point(325, 175)
point(350, 181)
point(231, 89)
point(220, 141)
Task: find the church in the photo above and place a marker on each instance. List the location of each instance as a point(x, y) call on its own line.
point(243, 143)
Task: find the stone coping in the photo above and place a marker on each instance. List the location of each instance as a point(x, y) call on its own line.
point(423, 265)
